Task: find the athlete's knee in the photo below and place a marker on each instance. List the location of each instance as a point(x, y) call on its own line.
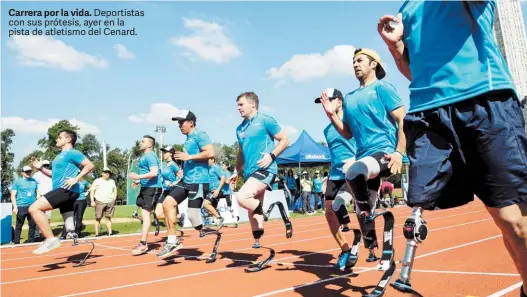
point(339, 207)
point(169, 202)
point(513, 222)
point(159, 212)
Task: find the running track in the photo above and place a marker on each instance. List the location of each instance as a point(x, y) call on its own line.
point(464, 255)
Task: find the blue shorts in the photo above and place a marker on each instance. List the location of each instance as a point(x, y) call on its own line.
point(476, 146)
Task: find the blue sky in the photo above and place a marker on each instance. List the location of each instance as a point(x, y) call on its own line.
point(187, 55)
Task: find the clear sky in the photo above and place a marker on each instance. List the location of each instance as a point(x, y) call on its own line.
point(187, 55)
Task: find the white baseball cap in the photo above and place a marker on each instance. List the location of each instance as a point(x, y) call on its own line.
point(332, 94)
point(26, 169)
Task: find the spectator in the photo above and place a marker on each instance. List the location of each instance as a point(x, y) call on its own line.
point(103, 193)
point(307, 187)
point(23, 193)
point(319, 195)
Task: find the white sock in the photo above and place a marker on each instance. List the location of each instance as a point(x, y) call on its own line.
point(172, 239)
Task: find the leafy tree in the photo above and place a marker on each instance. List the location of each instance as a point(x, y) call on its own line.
point(8, 157)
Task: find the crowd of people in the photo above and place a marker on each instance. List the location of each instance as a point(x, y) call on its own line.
point(464, 135)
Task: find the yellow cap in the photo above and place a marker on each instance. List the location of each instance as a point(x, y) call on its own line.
point(380, 72)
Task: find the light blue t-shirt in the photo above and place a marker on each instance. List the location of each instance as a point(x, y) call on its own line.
point(83, 184)
point(146, 162)
point(26, 191)
point(291, 182)
point(367, 114)
point(317, 183)
point(169, 174)
point(256, 137)
point(196, 171)
point(215, 174)
point(468, 61)
point(226, 189)
point(67, 164)
point(340, 150)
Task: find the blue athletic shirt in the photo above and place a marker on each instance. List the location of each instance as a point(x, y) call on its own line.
point(226, 189)
point(291, 182)
point(317, 183)
point(147, 161)
point(453, 52)
point(169, 174)
point(340, 150)
point(67, 164)
point(196, 171)
point(26, 191)
point(83, 184)
point(256, 136)
point(215, 174)
point(367, 114)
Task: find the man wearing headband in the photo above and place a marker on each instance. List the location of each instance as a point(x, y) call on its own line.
point(373, 115)
point(465, 129)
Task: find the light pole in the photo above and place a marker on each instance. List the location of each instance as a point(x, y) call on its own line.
point(161, 129)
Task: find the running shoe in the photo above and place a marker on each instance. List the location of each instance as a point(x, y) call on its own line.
point(372, 257)
point(169, 248)
point(140, 249)
point(344, 261)
point(47, 246)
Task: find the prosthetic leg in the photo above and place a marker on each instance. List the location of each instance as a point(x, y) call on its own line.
point(387, 262)
point(415, 231)
point(258, 234)
point(361, 178)
point(74, 236)
point(69, 224)
point(213, 254)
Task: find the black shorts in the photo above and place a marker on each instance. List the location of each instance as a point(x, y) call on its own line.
point(265, 177)
point(183, 191)
point(163, 195)
point(148, 197)
point(62, 199)
point(475, 146)
point(333, 187)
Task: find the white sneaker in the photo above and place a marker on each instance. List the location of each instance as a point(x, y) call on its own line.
point(47, 246)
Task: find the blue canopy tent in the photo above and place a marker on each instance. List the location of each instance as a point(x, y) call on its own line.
point(306, 151)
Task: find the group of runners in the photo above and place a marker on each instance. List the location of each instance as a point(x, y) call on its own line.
point(464, 135)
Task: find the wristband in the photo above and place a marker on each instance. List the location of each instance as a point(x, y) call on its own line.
point(272, 156)
point(402, 155)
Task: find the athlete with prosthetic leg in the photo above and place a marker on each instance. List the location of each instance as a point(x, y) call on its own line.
point(465, 129)
point(337, 194)
point(373, 115)
point(69, 166)
point(256, 157)
point(197, 149)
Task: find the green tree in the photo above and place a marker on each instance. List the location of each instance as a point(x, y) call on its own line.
point(26, 160)
point(90, 147)
point(7, 161)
